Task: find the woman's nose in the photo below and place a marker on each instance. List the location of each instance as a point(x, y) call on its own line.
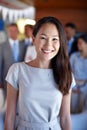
point(48, 42)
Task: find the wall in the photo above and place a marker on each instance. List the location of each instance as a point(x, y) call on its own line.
point(78, 16)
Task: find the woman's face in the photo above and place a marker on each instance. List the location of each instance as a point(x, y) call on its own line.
point(47, 42)
point(82, 45)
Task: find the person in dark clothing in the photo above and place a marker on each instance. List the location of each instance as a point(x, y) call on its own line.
point(71, 34)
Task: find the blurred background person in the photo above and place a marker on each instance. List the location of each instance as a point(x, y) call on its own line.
point(78, 62)
point(30, 51)
point(71, 34)
point(28, 29)
point(11, 51)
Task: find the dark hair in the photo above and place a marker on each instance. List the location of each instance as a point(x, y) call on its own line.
point(30, 26)
point(71, 25)
point(60, 63)
point(12, 24)
point(83, 36)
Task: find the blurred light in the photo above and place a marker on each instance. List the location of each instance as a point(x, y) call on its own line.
point(30, 21)
point(22, 22)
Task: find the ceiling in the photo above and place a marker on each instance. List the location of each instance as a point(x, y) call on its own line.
point(13, 4)
point(21, 4)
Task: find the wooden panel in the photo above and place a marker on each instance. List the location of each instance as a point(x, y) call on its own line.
point(60, 4)
point(79, 17)
point(75, 4)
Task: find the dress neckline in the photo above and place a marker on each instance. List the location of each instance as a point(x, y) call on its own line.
point(37, 68)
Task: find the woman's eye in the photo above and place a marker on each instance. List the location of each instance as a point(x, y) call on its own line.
point(43, 38)
point(55, 39)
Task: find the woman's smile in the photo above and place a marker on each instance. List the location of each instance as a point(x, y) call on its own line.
point(46, 51)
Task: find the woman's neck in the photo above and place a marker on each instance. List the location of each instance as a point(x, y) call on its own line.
point(84, 54)
point(40, 64)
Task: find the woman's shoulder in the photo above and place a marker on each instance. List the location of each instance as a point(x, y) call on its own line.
point(16, 66)
point(13, 74)
point(74, 56)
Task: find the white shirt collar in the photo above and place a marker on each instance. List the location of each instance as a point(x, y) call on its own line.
point(11, 41)
point(71, 40)
point(28, 39)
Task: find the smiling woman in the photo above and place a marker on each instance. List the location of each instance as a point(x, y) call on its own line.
point(42, 89)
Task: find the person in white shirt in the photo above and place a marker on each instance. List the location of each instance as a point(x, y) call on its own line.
point(30, 51)
point(28, 29)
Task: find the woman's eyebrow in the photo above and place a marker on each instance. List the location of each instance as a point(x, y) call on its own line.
point(52, 36)
point(43, 34)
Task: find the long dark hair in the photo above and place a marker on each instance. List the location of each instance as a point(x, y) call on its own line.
point(60, 63)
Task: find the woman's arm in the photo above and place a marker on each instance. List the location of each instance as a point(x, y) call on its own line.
point(65, 117)
point(12, 95)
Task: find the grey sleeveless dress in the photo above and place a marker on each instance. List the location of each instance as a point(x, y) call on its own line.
point(39, 99)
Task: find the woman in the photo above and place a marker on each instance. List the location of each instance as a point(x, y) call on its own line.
point(78, 62)
point(42, 86)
